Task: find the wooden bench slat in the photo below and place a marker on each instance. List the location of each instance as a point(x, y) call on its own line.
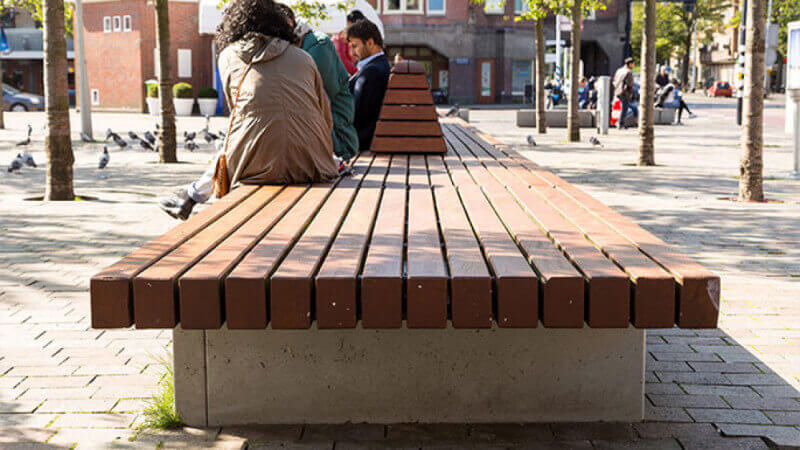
point(653, 303)
point(246, 303)
point(408, 81)
point(337, 280)
point(408, 144)
point(470, 281)
point(291, 284)
point(562, 286)
point(154, 290)
point(382, 276)
point(609, 287)
point(408, 67)
point(408, 97)
point(517, 284)
point(407, 128)
point(202, 304)
point(111, 291)
point(408, 112)
point(426, 288)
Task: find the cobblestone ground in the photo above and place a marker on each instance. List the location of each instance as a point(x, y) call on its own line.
point(62, 383)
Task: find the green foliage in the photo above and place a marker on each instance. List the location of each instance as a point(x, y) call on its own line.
point(160, 412)
point(182, 90)
point(207, 92)
point(152, 90)
point(783, 12)
point(34, 7)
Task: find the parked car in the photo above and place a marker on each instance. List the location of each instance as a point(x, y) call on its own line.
point(720, 89)
point(16, 100)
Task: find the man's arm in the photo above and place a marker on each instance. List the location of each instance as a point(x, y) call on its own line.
point(329, 65)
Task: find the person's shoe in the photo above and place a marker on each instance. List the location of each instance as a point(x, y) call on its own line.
point(679, 123)
point(178, 209)
point(176, 200)
point(692, 115)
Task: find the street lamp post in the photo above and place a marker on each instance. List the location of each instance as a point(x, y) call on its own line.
point(80, 62)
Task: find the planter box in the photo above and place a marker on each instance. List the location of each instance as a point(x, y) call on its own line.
point(208, 106)
point(183, 106)
point(153, 105)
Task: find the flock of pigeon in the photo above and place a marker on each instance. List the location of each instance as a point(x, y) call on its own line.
point(149, 141)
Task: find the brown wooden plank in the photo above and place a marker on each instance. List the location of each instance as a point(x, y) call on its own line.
point(110, 289)
point(155, 301)
point(407, 97)
point(408, 144)
point(408, 66)
point(426, 288)
point(408, 112)
point(382, 276)
point(517, 283)
point(408, 81)
point(562, 286)
point(201, 287)
point(291, 284)
point(608, 287)
point(699, 288)
point(404, 128)
point(246, 303)
point(337, 280)
point(470, 281)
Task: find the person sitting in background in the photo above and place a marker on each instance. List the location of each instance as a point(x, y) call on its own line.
point(335, 80)
point(583, 93)
point(343, 47)
point(662, 79)
point(280, 126)
point(368, 85)
point(670, 97)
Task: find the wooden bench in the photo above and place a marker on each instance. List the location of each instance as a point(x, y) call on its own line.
point(414, 291)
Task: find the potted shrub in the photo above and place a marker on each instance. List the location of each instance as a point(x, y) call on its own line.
point(184, 99)
point(207, 99)
point(153, 102)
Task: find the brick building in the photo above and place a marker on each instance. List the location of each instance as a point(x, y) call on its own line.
point(473, 53)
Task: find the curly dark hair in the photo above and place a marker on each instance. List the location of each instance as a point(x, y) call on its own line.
point(260, 16)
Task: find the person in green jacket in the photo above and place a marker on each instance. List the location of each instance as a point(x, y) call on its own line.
point(335, 80)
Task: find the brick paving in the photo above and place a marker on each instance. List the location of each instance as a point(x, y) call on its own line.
point(62, 383)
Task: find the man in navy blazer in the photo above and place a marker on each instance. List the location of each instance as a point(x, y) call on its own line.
point(368, 85)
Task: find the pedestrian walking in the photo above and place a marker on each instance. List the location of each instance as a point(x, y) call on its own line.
point(623, 89)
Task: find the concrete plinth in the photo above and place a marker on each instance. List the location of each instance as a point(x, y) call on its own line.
point(225, 377)
point(664, 116)
point(555, 118)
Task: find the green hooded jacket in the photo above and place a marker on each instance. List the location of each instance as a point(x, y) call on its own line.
point(335, 79)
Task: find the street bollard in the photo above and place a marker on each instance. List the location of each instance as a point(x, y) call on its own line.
point(795, 95)
point(602, 111)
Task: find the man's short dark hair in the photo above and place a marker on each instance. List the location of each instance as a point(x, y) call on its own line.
point(628, 60)
point(365, 30)
point(355, 15)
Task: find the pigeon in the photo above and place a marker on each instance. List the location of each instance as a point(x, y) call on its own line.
point(191, 146)
point(189, 136)
point(119, 141)
point(104, 157)
point(452, 112)
point(27, 140)
point(134, 137)
point(85, 137)
point(531, 141)
point(594, 141)
point(150, 137)
point(146, 145)
point(111, 135)
point(210, 137)
point(28, 159)
point(16, 164)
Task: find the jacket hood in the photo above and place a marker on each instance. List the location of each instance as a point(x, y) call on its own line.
point(257, 47)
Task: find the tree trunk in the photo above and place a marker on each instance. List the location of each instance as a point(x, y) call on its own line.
point(751, 186)
point(57, 144)
point(573, 124)
point(541, 121)
point(685, 61)
point(167, 147)
point(646, 131)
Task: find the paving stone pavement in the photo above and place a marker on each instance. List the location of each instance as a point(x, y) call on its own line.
point(62, 383)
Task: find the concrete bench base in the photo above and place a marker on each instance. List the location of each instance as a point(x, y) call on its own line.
point(664, 116)
point(555, 118)
point(225, 377)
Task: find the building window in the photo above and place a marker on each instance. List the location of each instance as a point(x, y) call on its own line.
point(127, 24)
point(436, 7)
point(402, 6)
point(184, 63)
point(521, 7)
point(107, 24)
point(494, 7)
point(95, 97)
point(590, 14)
point(117, 23)
point(520, 76)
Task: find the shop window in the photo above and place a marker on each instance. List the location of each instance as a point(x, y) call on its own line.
point(494, 7)
point(402, 6)
point(127, 24)
point(107, 24)
point(520, 76)
point(184, 63)
point(436, 7)
point(117, 23)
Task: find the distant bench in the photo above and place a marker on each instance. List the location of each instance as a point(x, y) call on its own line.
point(412, 291)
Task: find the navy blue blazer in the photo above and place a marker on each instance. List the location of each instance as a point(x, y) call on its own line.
point(368, 87)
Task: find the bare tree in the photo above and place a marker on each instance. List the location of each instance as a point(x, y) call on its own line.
point(573, 122)
point(646, 130)
point(58, 145)
point(541, 121)
point(167, 151)
point(751, 168)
